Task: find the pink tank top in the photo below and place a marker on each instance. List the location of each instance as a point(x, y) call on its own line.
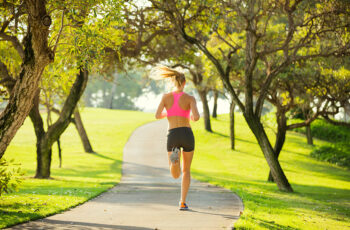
point(175, 109)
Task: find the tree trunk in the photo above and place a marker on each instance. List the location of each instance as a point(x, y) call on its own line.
point(45, 140)
point(39, 133)
point(43, 151)
point(59, 152)
point(346, 111)
point(277, 173)
point(105, 98)
point(270, 178)
point(232, 124)
point(309, 135)
point(114, 88)
point(280, 137)
point(37, 57)
point(81, 130)
point(206, 113)
point(215, 107)
point(44, 156)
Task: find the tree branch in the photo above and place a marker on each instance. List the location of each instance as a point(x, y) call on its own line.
point(302, 124)
point(333, 122)
point(5, 77)
point(15, 42)
point(59, 32)
point(13, 39)
point(56, 129)
point(234, 48)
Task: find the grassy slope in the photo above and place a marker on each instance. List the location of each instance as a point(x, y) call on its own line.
point(322, 191)
point(82, 176)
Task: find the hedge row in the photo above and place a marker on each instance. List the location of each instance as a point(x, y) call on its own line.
point(338, 152)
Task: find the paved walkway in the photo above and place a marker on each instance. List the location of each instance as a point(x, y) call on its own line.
point(147, 197)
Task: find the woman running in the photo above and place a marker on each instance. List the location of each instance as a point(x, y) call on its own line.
point(178, 106)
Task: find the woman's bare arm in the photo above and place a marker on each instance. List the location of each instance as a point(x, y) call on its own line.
point(160, 114)
point(195, 114)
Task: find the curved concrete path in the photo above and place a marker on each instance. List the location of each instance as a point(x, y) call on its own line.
point(147, 197)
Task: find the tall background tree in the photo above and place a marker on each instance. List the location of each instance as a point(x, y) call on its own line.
point(267, 36)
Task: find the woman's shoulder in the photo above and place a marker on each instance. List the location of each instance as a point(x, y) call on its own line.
point(186, 95)
point(167, 95)
point(189, 96)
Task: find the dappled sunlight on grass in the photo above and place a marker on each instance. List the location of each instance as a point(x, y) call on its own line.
point(82, 176)
point(322, 191)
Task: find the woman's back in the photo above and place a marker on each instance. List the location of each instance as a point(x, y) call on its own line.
point(178, 105)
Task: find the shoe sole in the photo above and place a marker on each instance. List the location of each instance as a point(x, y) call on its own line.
point(183, 208)
point(174, 155)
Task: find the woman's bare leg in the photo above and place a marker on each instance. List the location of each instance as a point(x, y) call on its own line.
point(175, 169)
point(186, 174)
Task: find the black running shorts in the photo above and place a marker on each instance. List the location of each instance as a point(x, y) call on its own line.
point(180, 137)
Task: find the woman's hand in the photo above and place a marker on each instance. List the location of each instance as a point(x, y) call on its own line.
point(195, 114)
point(164, 114)
point(191, 117)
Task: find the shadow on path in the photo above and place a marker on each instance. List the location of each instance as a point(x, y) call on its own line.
point(232, 217)
point(59, 224)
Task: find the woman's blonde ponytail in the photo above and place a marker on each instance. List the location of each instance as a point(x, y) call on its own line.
point(162, 72)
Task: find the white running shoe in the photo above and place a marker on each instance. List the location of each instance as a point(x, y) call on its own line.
point(175, 154)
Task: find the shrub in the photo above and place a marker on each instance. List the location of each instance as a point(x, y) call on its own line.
point(338, 154)
point(10, 176)
point(326, 131)
point(333, 133)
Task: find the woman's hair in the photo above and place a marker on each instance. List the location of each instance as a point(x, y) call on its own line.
point(162, 72)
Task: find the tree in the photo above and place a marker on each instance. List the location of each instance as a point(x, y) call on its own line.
point(269, 36)
point(29, 18)
point(82, 53)
point(336, 88)
point(308, 87)
point(35, 55)
point(46, 139)
point(54, 89)
point(215, 105)
point(142, 31)
point(217, 47)
point(82, 132)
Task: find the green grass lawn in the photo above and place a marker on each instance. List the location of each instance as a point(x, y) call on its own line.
point(322, 191)
point(82, 176)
